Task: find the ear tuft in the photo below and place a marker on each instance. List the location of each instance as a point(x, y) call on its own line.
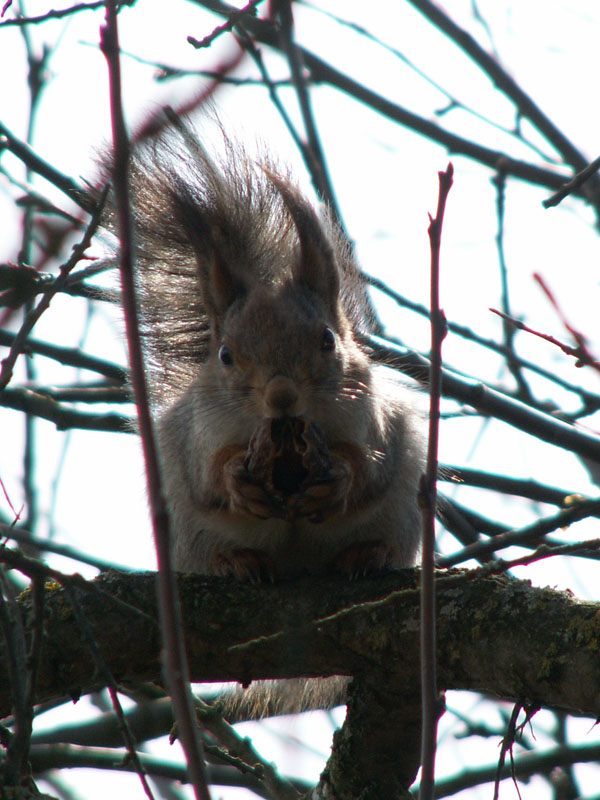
point(219, 284)
point(317, 268)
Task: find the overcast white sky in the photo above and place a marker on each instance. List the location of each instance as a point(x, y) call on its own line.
point(386, 182)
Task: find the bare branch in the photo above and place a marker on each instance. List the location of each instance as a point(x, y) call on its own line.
point(321, 71)
point(24, 152)
point(60, 13)
point(465, 332)
point(505, 82)
point(487, 401)
point(530, 534)
point(313, 150)
point(431, 707)
point(234, 19)
point(575, 182)
point(33, 316)
point(169, 607)
point(41, 405)
point(584, 359)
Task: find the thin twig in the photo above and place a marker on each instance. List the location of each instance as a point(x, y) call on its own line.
point(453, 103)
point(526, 536)
point(155, 124)
point(461, 330)
point(166, 72)
point(509, 332)
point(34, 315)
point(20, 282)
point(60, 13)
point(234, 18)
point(170, 611)
point(583, 359)
point(586, 357)
point(36, 81)
point(267, 33)
point(575, 182)
point(86, 393)
point(47, 758)
point(37, 164)
point(501, 78)
point(25, 537)
point(430, 700)
point(250, 47)
point(589, 548)
point(313, 150)
point(40, 405)
point(488, 401)
point(513, 732)
point(525, 766)
point(520, 487)
point(241, 746)
point(110, 683)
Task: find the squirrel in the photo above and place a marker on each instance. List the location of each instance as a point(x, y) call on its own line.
point(252, 308)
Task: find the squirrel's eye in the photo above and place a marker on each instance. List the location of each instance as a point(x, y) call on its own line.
point(225, 356)
point(328, 340)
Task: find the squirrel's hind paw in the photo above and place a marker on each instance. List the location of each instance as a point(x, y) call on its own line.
point(364, 558)
point(244, 564)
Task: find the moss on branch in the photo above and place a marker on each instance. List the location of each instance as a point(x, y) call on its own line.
point(496, 635)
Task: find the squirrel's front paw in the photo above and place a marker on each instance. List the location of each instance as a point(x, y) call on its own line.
point(244, 564)
point(247, 493)
point(324, 498)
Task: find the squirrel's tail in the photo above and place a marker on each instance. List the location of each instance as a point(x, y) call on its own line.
point(274, 698)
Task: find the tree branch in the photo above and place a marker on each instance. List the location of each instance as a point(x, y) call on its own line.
point(431, 705)
point(175, 661)
point(501, 78)
point(64, 418)
point(320, 71)
point(488, 401)
point(34, 162)
point(327, 626)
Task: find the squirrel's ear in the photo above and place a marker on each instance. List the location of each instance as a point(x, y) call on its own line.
point(219, 285)
point(317, 266)
point(220, 288)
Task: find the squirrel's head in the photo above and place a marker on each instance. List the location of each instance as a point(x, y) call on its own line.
point(245, 288)
point(279, 332)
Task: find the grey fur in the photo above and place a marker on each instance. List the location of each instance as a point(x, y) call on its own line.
point(231, 254)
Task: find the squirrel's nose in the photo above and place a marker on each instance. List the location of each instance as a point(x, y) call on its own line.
point(281, 396)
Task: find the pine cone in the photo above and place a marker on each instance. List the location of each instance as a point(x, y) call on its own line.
point(288, 454)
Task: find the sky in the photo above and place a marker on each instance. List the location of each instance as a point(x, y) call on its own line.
point(386, 182)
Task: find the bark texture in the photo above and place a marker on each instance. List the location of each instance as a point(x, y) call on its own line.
point(496, 635)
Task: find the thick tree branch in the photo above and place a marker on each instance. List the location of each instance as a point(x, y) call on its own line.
point(327, 626)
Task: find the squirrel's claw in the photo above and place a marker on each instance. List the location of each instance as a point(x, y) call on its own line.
point(364, 558)
point(244, 564)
